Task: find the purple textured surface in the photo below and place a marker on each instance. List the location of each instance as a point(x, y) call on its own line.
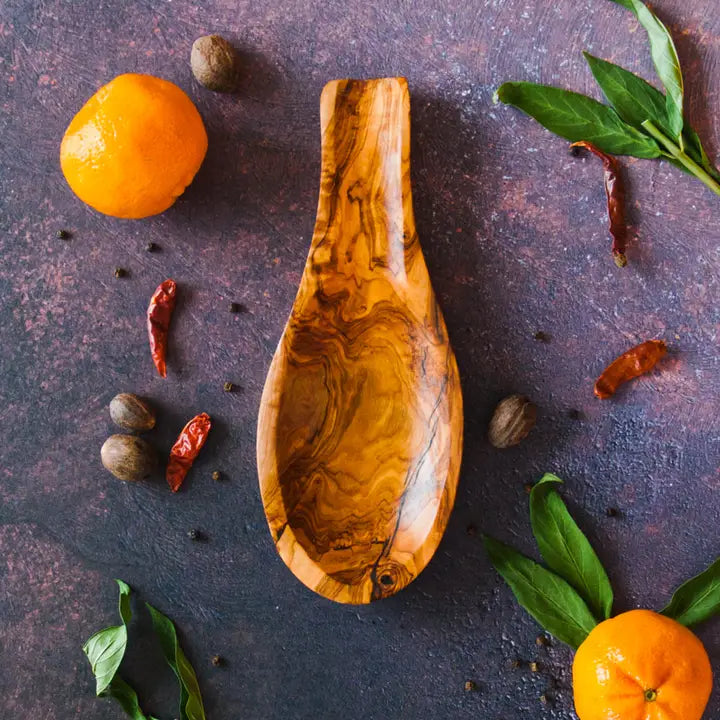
point(514, 232)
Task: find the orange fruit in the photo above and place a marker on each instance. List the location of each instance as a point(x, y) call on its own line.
point(641, 666)
point(134, 146)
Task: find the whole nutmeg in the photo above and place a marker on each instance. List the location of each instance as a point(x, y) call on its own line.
point(215, 63)
point(513, 419)
point(132, 413)
point(128, 457)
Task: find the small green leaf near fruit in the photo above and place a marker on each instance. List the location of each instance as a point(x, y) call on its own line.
point(565, 548)
point(546, 596)
point(560, 597)
point(698, 599)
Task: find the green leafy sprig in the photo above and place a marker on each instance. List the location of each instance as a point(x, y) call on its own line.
point(105, 651)
point(641, 121)
point(572, 594)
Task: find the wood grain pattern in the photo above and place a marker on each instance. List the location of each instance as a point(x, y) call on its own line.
point(360, 428)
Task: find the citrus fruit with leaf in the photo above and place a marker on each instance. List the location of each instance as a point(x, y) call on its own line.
point(134, 146)
point(640, 665)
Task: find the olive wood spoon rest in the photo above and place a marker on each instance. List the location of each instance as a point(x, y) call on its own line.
point(360, 427)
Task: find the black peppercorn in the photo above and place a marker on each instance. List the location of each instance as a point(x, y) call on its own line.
point(63, 235)
point(151, 247)
point(217, 661)
point(120, 272)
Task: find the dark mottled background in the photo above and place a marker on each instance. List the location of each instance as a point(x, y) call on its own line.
point(514, 231)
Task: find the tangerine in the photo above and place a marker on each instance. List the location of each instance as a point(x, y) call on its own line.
point(641, 665)
point(134, 146)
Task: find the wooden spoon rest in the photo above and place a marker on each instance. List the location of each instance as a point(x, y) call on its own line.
point(360, 427)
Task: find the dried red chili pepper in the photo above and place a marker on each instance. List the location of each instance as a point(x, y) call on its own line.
point(615, 201)
point(159, 312)
point(186, 449)
point(636, 361)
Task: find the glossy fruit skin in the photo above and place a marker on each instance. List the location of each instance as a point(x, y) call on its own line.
point(134, 146)
point(639, 651)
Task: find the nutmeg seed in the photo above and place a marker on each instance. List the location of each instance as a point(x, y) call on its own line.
point(132, 413)
point(215, 63)
point(128, 457)
point(513, 419)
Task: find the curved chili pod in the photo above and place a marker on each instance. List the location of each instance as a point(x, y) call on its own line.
point(186, 449)
point(636, 361)
point(159, 312)
point(615, 193)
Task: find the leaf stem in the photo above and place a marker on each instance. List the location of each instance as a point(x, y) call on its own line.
point(678, 153)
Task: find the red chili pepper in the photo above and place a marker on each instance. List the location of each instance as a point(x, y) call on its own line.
point(186, 449)
point(636, 361)
point(615, 201)
point(159, 312)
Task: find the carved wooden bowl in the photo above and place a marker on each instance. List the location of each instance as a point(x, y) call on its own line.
point(360, 427)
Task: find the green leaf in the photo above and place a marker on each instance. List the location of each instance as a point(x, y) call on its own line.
point(693, 146)
point(106, 648)
point(105, 651)
point(695, 149)
point(191, 705)
point(566, 550)
point(634, 99)
point(698, 599)
point(127, 698)
point(667, 64)
point(577, 117)
point(546, 596)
